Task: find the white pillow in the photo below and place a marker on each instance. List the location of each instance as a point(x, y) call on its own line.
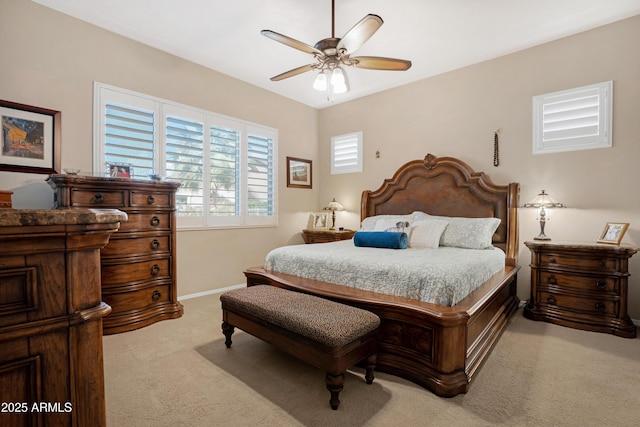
point(470, 233)
point(389, 224)
point(370, 223)
point(427, 233)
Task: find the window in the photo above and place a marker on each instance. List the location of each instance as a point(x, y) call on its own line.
point(575, 119)
point(346, 153)
point(226, 167)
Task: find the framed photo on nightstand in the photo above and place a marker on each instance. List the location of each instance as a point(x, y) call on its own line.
point(613, 232)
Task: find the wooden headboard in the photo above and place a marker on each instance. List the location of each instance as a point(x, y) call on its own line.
point(449, 187)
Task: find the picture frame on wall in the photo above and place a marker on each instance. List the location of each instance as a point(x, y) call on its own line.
point(29, 138)
point(299, 173)
point(119, 170)
point(613, 232)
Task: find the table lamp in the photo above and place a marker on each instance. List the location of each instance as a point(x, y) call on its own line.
point(333, 206)
point(542, 201)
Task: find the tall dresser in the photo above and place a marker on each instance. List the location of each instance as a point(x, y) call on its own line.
point(51, 359)
point(139, 263)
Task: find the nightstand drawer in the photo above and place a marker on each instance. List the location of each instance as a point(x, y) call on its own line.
point(580, 261)
point(610, 285)
point(588, 305)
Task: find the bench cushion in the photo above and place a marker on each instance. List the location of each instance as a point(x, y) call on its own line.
point(321, 320)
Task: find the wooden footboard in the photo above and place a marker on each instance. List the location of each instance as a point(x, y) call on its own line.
point(437, 347)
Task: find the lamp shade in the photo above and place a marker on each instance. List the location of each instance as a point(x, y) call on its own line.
point(334, 206)
point(543, 200)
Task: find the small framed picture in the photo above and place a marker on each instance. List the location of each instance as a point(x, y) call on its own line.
point(298, 173)
point(613, 232)
point(119, 170)
point(320, 221)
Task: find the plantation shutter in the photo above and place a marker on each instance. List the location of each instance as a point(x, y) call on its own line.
point(260, 171)
point(225, 172)
point(184, 163)
point(346, 153)
point(574, 119)
point(129, 137)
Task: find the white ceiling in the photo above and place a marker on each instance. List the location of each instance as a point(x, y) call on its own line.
point(436, 35)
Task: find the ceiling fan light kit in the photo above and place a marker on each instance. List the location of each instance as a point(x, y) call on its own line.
point(333, 53)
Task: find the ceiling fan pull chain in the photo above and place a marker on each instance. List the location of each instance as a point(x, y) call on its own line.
point(496, 153)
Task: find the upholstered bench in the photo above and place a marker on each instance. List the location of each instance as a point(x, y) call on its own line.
point(323, 333)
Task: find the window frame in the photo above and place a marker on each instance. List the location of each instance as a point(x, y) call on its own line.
point(162, 108)
point(600, 139)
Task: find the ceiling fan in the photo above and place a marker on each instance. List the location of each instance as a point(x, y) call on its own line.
point(333, 53)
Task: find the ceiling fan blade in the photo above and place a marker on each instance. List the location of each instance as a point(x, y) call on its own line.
point(360, 33)
point(378, 63)
point(291, 42)
point(293, 72)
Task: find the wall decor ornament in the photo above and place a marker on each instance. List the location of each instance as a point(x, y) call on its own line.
point(30, 139)
point(298, 173)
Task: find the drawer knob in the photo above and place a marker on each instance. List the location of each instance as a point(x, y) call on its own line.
point(155, 221)
point(553, 280)
point(601, 263)
point(155, 296)
point(155, 244)
point(552, 260)
point(155, 270)
point(600, 306)
point(601, 284)
point(551, 300)
point(98, 198)
point(150, 200)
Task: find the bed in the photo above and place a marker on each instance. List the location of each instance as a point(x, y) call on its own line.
point(437, 346)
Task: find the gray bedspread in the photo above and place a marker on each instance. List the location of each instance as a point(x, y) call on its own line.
point(442, 276)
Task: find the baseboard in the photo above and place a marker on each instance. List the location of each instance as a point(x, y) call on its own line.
point(636, 322)
point(211, 292)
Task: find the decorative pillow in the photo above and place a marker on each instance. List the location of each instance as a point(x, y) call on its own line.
point(381, 239)
point(370, 223)
point(389, 224)
point(427, 233)
point(470, 233)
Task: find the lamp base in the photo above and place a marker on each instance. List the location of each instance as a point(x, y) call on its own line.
point(542, 237)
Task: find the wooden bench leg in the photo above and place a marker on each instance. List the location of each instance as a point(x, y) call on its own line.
point(335, 384)
point(370, 365)
point(227, 330)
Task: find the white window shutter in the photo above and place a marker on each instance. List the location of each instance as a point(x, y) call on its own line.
point(575, 119)
point(346, 153)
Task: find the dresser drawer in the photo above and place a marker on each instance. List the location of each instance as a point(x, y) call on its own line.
point(147, 221)
point(139, 299)
point(125, 272)
point(588, 305)
point(150, 199)
point(98, 198)
point(579, 261)
point(136, 245)
point(604, 284)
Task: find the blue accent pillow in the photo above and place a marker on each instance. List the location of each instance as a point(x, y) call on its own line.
point(381, 239)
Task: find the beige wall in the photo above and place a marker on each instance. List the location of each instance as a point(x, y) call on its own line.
point(54, 62)
point(455, 114)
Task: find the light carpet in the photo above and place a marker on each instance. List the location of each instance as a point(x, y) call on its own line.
point(179, 373)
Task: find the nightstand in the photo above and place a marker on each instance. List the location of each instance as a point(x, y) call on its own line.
point(581, 285)
point(324, 236)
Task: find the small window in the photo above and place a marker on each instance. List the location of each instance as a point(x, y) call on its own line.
point(574, 119)
point(346, 153)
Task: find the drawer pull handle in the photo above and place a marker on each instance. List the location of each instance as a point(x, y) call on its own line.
point(155, 244)
point(155, 221)
point(98, 198)
point(155, 270)
point(553, 280)
point(601, 263)
point(552, 260)
point(150, 200)
point(601, 284)
point(600, 306)
point(551, 300)
point(155, 296)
